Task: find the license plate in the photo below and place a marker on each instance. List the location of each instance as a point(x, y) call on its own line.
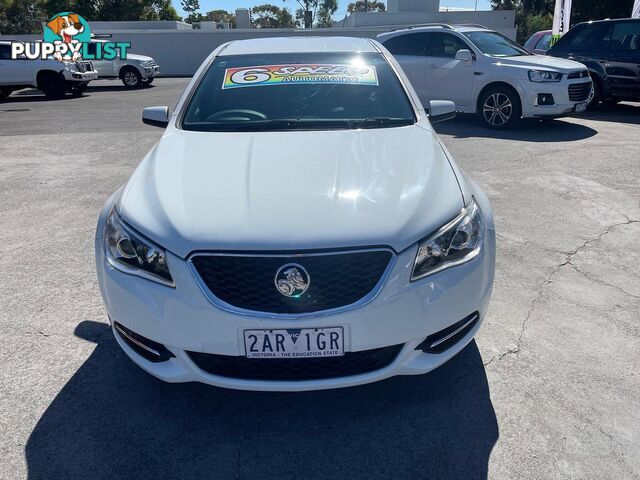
point(294, 343)
point(581, 107)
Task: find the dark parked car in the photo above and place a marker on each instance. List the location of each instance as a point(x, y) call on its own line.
point(539, 42)
point(611, 51)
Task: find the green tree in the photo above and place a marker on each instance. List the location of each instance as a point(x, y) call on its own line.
point(370, 6)
point(271, 16)
point(326, 10)
point(191, 7)
point(220, 16)
point(535, 15)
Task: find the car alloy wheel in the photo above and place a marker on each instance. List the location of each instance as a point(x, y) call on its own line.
point(131, 79)
point(497, 109)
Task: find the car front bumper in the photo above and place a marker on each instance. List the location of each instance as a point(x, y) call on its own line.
point(562, 103)
point(403, 314)
point(150, 72)
point(71, 76)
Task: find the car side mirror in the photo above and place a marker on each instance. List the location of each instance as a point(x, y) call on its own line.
point(464, 55)
point(156, 116)
point(441, 110)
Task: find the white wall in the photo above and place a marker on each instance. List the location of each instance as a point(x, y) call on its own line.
point(180, 52)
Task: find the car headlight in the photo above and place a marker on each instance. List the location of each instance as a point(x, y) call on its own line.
point(128, 252)
point(71, 67)
point(457, 242)
point(544, 76)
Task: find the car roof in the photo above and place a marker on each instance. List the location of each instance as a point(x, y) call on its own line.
point(298, 44)
point(431, 27)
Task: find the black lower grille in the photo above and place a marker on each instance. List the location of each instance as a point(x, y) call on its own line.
point(579, 91)
point(334, 279)
point(448, 337)
point(351, 363)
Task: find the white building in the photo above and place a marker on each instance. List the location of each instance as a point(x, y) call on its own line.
point(412, 12)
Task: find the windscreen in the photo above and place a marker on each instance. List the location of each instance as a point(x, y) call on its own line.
point(493, 44)
point(298, 91)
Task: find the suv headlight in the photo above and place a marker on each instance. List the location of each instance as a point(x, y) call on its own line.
point(540, 76)
point(128, 252)
point(457, 242)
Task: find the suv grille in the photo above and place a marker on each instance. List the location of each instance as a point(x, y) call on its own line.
point(335, 279)
point(351, 363)
point(579, 91)
point(84, 66)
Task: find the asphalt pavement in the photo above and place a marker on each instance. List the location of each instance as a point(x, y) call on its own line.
point(548, 390)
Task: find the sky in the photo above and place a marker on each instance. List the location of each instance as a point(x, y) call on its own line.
point(292, 5)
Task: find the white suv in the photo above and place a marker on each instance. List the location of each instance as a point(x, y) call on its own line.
point(484, 72)
point(55, 78)
point(135, 71)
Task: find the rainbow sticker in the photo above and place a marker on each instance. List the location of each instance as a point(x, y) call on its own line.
point(293, 74)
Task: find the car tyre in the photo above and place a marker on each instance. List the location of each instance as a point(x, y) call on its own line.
point(54, 87)
point(147, 81)
point(131, 77)
point(77, 90)
point(596, 95)
point(4, 93)
point(499, 107)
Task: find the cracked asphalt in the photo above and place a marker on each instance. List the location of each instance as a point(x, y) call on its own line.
point(548, 390)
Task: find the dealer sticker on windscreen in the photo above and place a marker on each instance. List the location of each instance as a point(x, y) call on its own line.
point(294, 74)
point(294, 343)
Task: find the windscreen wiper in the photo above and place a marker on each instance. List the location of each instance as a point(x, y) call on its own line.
point(373, 122)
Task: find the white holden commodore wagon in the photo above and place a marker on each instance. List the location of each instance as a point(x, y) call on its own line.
point(298, 226)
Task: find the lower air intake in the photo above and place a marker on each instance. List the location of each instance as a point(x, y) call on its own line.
point(351, 363)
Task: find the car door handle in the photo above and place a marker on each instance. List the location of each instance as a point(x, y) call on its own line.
point(432, 65)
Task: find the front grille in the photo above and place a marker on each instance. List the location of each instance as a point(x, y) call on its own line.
point(579, 91)
point(335, 279)
point(579, 74)
point(84, 66)
point(351, 363)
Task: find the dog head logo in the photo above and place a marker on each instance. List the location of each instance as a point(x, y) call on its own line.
point(68, 28)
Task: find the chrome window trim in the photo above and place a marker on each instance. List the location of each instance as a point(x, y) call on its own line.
point(217, 302)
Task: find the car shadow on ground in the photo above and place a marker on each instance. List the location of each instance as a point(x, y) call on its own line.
point(112, 420)
point(528, 130)
point(620, 113)
point(117, 87)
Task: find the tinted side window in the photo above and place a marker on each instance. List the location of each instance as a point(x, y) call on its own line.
point(585, 37)
point(543, 43)
point(444, 45)
point(626, 36)
point(5, 52)
point(409, 44)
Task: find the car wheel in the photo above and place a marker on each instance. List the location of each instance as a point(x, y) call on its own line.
point(54, 87)
point(4, 93)
point(147, 81)
point(131, 78)
point(595, 96)
point(77, 90)
point(500, 107)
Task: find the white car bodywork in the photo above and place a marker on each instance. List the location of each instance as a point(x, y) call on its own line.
point(254, 193)
point(464, 81)
point(22, 72)
point(146, 66)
